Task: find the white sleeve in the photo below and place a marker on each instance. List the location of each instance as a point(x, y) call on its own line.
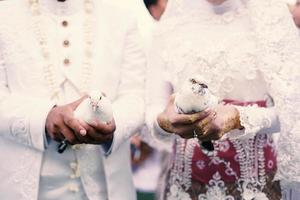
point(158, 91)
point(280, 54)
point(128, 108)
point(255, 120)
point(22, 117)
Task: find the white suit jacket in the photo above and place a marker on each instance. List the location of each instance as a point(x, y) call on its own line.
point(25, 102)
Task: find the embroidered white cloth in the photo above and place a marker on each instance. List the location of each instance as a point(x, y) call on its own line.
point(28, 169)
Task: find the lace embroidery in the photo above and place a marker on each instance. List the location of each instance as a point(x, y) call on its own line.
point(250, 183)
point(253, 120)
point(250, 193)
point(216, 190)
point(279, 43)
point(19, 130)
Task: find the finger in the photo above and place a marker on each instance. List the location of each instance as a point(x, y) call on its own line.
point(84, 124)
point(171, 100)
point(204, 122)
point(54, 133)
point(94, 137)
point(76, 103)
point(189, 118)
point(75, 125)
point(89, 131)
point(210, 133)
point(98, 138)
point(105, 128)
point(69, 135)
point(58, 136)
point(164, 123)
point(82, 138)
point(186, 132)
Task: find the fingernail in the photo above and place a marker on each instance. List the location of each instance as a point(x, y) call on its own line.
point(83, 132)
point(208, 112)
point(95, 124)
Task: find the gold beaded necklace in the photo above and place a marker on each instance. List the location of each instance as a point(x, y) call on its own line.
point(49, 69)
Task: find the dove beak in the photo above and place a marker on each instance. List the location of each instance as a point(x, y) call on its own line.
point(203, 85)
point(94, 107)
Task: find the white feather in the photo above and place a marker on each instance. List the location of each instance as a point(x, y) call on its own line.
point(189, 101)
point(102, 113)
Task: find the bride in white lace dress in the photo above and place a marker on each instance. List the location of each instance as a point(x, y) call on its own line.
point(248, 53)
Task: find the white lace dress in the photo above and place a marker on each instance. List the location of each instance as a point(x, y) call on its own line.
point(246, 51)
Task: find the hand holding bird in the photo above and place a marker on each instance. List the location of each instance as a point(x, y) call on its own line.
point(198, 114)
point(96, 116)
point(88, 120)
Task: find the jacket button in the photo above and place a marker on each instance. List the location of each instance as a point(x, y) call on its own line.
point(64, 23)
point(66, 43)
point(66, 61)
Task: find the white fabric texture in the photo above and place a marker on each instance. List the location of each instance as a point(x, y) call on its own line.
point(247, 50)
point(118, 71)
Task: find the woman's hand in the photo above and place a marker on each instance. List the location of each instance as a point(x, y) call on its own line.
point(179, 124)
point(223, 118)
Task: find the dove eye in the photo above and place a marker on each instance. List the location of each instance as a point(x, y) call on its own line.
point(193, 81)
point(100, 98)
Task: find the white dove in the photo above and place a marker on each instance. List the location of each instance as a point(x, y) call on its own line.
point(194, 96)
point(96, 107)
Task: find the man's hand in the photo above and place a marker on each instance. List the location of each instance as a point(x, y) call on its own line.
point(180, 124)
point(61, 124)
point(98, 132)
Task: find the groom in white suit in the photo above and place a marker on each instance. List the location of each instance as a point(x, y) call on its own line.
point(51, 53)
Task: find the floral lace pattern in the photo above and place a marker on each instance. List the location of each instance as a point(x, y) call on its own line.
point(280, 56)
point(249, 176)
point(253, 120)
point(216, 190)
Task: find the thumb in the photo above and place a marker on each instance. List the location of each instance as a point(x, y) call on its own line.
point(172, 99)
point(76, 103)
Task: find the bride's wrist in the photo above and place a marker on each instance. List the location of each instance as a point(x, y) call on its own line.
point(162, 125)
point(238, 124)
